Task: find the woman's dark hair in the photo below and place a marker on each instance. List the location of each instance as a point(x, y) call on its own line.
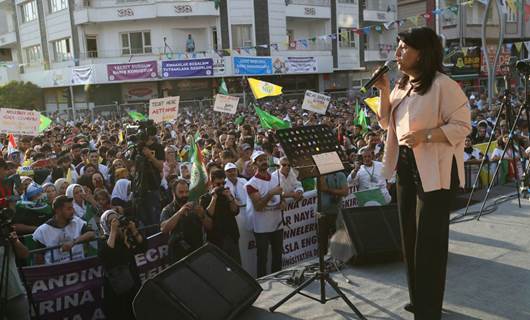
point(431, 57)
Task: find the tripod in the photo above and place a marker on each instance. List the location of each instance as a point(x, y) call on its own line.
point(300, 146)
point(506, 104)
point(4, 277)
point(510, 139)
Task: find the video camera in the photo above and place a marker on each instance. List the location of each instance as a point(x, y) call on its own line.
point(137, 135)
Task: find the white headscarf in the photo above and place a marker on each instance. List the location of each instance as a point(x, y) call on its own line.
point(79, 209)
point(105, 225)
point(120, 190)
point(59, 183)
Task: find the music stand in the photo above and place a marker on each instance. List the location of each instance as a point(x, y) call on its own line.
point(314, 151)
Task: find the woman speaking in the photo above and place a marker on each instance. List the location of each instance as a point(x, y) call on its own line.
point(428, 119)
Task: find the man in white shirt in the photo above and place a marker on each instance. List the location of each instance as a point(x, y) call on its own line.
point(292, 187)
point(65, 230)
point(93, 158)
point(368, 175)
point(235, 184)
point(264, 205)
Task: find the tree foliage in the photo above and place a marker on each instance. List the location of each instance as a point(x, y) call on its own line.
point(21, 95)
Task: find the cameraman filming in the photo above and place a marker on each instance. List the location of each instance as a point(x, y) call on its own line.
point(149, 163)
point(222, 208)
point(16, 305)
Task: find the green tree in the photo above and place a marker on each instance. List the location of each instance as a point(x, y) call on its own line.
point(21, 95)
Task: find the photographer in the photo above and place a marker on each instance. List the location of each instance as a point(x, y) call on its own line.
point(183, 222)
point(149, 163)
point(16, 307)
point(116, 252)
point(222, 208)
point(6, 187)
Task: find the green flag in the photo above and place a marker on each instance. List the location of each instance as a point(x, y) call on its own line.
point(199, 180)
point(239, 120)
point(222, 87)
point(357, 111)
point(45, 122)
point(269, 121)
point(361, 119)
point(369, 198)
point(136, 116)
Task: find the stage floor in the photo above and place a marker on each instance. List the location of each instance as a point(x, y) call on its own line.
point(488, 278)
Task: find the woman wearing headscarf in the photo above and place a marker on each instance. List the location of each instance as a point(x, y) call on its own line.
point(61, 185)
point(50, 190)
point(121, 196)
point(77, 193)
point(32, 210)
point(116, 252)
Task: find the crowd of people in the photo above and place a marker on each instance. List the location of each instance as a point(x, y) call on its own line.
point(86, 188)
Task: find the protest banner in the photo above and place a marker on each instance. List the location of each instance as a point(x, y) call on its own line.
point(226, 104)
point(132, 71)
point(316, 102)
point(19, 122)
point(164, 109)
point(153, 260)
point(71, 290)
point(187, 68)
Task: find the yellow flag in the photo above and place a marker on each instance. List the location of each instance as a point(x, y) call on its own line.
point(482, 147)
point(262, 89)
point(121, 137)
point(69, 176)
point(373, 103)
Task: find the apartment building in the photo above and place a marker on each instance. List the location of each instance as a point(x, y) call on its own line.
point(128, 51)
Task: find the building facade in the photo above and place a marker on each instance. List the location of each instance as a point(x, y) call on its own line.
point(106, 52)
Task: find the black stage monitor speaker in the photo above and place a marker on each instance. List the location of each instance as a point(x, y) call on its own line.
point(206, 285)
point(374, 232)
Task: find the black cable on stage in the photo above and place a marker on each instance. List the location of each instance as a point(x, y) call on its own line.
point(487, 210)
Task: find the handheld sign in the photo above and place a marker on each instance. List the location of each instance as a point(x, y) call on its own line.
point(316, 102)
point(164, 109)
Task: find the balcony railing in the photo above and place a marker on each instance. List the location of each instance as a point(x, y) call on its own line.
point(156, 52)
point(320, 3)
point(120, 3)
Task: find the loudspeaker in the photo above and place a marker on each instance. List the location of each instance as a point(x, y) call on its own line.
point(374, 232)
point(205, 285)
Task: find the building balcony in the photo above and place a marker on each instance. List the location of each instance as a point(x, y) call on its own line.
point(312, 9)
point(371, 55)
point(8, 40)
point(112, 10)
point(8, 73)
point(379, 15)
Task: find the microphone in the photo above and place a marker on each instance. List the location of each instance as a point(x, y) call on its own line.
point(389, 65)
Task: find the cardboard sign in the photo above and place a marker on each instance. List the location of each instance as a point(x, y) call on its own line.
point(316, 102)
point(226, 104)
point(19, 122)
point(164, 109)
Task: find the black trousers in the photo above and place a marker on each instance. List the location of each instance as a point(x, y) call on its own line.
point(424, 222)
point(275, 239)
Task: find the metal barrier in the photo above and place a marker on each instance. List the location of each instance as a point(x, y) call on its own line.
point(27, 240)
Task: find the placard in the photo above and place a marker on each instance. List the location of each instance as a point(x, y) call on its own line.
point(328, 162)
point(316, 102)
point(252, 65)
point(226, 104)
point(19, 122)
point(164, 109)
point(187, 68)
point(132, 71)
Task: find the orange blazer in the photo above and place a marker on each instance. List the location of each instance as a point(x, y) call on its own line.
point(444, 106)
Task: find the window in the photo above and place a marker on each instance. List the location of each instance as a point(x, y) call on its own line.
point(348, 1)
point(92, 46)
point(57, 5)
point(28, 11)
point(61, 50)
point(214, 38)
point(33, 54)
point(136, 43)
point(346, 38)
point(241, 35)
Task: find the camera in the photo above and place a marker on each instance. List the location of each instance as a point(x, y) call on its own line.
point(219, 191)
point(139, 132)
point(6, 227)
point(123, 221)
